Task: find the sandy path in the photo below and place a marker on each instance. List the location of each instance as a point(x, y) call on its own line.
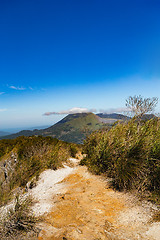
point(47, 186)
point(82, 206)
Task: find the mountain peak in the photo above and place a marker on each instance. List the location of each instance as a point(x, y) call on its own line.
point(74, 127)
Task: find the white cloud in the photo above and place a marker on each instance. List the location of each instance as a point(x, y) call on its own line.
point(114, 110)
point(71, 111)
point(20, 88)
point(85, 110)
point(3, 110)
point(17, 88)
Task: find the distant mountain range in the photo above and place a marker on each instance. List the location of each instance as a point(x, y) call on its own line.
point(2, 133)
point(115, 116)
point(72, 128)
point(15, 130)
point(75, 127)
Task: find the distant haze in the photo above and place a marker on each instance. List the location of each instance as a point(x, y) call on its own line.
point(15, 130)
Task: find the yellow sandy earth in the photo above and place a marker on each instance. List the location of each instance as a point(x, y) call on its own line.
point(87, 210)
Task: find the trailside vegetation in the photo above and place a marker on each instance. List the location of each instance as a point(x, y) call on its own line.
point(128, 153)
point(23, 158)
point(19, 222)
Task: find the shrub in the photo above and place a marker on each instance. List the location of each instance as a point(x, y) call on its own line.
point(73, 150)
point(18, 220)
point(34, 154)
point(129, 153)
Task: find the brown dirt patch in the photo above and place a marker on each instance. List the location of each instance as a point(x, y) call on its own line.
point(87, 210)
point(90, 210)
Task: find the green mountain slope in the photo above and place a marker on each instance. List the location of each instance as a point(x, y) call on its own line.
point(72, 128)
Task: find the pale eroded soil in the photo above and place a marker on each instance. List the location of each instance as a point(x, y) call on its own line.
point(87, 209)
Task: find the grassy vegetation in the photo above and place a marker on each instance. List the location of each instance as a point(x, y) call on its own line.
point(129, 153)
point(18, 221)
point(34, 154)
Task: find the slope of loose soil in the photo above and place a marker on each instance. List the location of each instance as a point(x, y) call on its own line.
point(86, 208)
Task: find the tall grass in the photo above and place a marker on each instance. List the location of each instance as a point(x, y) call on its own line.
point(18, 221)
point(34, 154)
point(129, 153)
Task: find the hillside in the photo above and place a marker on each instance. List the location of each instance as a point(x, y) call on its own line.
point(67, 200)
point(113, 116)
point(75, 127)
point(72, 128)
point(148, 116)
point(2, 133)
point(25, 157)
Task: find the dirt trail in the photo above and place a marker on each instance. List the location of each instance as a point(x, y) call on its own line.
point(88, 209)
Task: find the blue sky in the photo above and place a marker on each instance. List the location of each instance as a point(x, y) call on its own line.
point(59, 55)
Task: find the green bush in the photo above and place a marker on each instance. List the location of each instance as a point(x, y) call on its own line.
point(73, 150)
point(129, 153)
